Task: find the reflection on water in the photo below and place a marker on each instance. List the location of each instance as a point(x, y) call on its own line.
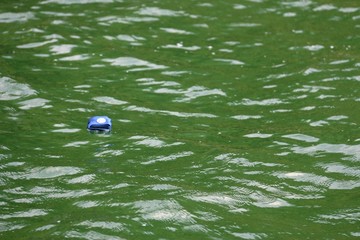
point(11, 90)
point(230, 120)
point(133, 62)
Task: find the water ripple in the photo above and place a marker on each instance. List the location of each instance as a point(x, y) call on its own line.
point(91, 235)
point(152, 142)
point(171, 157)
point(348, 150)
point(10, 17)
point(348, 215)
point(26, 214)
point(314, 179)
point(78, 57)
point(170, 113)
point(217, 199)
point(69, 2)
point(108, 20)
point(109, 100)
point(72, 144)
point(176, 31)
point(88, 178)
point(51, 172)
point(36, 44)
point(191, 93)
point(103, 225)
point(181, 46)
point(325, 7)
point(155, 11)
point(34, 103)
point(230, 61)
point(246, 117)
point(130, 62)
point(61, 49)
point(163, 210)
point(265, 102)
point(69, 130)
point(230, 118)
point(132, 39)
point(302, 137)
point(10, 89)
point(258, 135)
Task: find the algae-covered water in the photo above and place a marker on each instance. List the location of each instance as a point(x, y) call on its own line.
point(231, 119)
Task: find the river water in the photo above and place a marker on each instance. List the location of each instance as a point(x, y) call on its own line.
point(231, 119)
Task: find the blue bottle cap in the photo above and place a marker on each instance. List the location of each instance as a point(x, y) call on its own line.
point(99, 123)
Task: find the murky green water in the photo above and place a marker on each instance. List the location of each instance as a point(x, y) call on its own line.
point(231, 119)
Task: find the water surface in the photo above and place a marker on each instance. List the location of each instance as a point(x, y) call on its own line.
point(231, 119)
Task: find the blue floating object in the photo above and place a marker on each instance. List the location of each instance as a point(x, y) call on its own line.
point(99, 123)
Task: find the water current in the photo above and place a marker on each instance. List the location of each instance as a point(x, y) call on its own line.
point(231, 119)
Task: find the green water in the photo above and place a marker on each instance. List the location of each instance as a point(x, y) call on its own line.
point(231, 119)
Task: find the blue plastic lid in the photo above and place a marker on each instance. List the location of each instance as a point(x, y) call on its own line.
point(99, 123)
